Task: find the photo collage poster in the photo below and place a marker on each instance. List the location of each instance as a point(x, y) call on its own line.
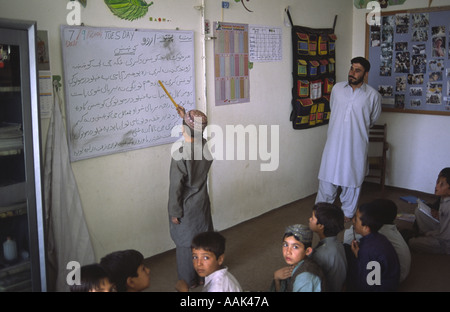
point(410, 60)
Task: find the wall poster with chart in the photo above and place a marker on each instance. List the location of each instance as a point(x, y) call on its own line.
point(231, 58)
point(114, 102)
point(410, 60)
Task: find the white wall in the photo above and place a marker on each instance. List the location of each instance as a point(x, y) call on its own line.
point(239, 190)
point(419, 145)
point(125, 195)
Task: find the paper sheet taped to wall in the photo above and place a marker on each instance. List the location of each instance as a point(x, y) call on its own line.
point(265, 43)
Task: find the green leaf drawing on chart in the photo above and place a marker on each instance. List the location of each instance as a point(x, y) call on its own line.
point(128, 9)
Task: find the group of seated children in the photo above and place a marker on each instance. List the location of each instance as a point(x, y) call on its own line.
point(125, 271)
point(335, 266)
point(122, 271)
point(373, 256)
point(432, 235)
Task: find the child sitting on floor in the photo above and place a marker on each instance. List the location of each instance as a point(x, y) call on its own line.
point(127, 270)
point(373, 263)
point(208, 253)
point(327, 221)
point(387, 214)
point(302, 274)
point(434, 233)
point(93, 278)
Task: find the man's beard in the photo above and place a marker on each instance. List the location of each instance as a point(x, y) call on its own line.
point(355, 82)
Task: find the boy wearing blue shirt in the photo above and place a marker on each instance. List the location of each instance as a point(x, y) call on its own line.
point(373, 263)
point(302, 274)
point(327, 221)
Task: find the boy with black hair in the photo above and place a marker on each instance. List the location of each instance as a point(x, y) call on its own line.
point(302, 273)
point(327, 221)
point(434, 235)
point(373, 263)
point(127, 270)
point(388, 212)
point(208, 253)
point(93, 278)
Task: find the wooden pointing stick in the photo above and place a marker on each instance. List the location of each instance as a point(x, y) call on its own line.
point(168, 94)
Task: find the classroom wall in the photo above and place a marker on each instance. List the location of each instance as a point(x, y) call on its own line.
point(419, 144)
point(239, 189)
point(125, 195)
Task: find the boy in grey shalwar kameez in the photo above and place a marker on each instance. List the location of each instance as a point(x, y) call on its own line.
point(189, 205)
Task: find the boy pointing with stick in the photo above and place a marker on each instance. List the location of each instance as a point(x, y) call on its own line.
point(189, 205)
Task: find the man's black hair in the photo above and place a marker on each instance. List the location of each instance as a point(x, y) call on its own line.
point(363, 61)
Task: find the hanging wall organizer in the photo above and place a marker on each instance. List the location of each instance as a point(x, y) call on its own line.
point(314, 74)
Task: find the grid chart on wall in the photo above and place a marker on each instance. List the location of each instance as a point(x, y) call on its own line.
point(265, 43)
point(231, 60)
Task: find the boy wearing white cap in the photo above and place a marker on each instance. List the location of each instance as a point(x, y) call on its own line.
point(189, 205)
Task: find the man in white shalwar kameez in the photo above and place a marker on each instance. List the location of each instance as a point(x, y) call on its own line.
point(355, 107)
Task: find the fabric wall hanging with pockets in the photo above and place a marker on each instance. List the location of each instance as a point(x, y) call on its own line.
point(314, 57)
